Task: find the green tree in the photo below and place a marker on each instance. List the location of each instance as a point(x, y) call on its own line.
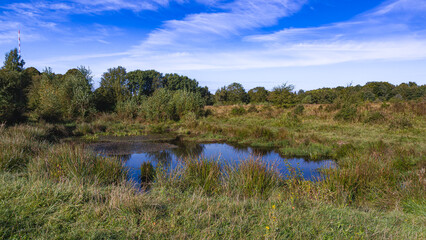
point(258, 95)
point(382, 90)
point(283, 95)
point(144, 83)
point(45, 98)
point(175, 82)
point(13, 86)
point(13, 61)
point(77, 93)
point(236, 93)
point(221, 95)
point(56, 97)
point(113, 89)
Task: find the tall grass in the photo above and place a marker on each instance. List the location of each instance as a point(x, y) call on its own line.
point(202, 173)
point(252, 178)
point(62, 191)
point(18, 145)
point(72, 162)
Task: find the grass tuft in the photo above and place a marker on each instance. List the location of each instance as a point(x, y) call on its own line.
point(252, 178)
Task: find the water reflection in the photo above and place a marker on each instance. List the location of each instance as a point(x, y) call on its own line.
point(187, 149)
point(169, 156)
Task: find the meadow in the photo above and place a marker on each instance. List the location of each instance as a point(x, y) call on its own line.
point(55, 189)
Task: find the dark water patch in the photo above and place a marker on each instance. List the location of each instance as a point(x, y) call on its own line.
point(169, 155)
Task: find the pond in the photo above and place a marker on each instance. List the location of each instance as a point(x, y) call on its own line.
point(169, 154)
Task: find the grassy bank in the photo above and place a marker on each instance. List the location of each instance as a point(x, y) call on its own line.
point(42, 209)
point(50, 189)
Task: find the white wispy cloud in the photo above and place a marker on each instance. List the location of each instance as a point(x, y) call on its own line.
point(233, 20)
point(225, 38)
point(53, 17)
point(393, 31)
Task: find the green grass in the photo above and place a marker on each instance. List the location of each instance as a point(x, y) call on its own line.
point(40, 209)
point(252, 178)
point(56, 190)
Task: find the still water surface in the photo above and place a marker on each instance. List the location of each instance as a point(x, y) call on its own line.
point(170, 155)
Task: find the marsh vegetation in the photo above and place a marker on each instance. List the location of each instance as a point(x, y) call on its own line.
point(54, 187)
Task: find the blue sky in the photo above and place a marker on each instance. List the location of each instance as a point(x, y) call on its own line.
point(307, 43)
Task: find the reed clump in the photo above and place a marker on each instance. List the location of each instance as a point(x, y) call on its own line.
point(202, 173)
point(147, 173)
point(72, 162)
point(252, 178)
point(18, 145)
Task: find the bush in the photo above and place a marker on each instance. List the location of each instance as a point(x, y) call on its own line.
point(298, 110)
point(347, 113)
point(262, 132)
point(401, 122)
point(238, 111)
point(252, 109)
point(83, 129)
point(375, 117)
point(290, 120)
point(184, 102)
point(190, 120)
point(166, 105)
point(128, 108)
point(332, 107)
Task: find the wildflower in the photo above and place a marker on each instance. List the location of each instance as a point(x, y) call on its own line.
point(267, 227)
point(273, 206)
point(292, 208)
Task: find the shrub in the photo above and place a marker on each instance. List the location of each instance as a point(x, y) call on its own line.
point(375, 117)
point(252, 109)
point(166, 105)
point(184, 102)
point(333, 107)
point(83, 129)
point(128, 108)
point(298, 110)
point(190, 120)
point(347, 113)
point(262, 132)
point(290, 120)
point(400, 122)
point(158, 128)
point(238, 111)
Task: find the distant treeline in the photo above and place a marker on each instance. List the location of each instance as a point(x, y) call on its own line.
point(285, 96)
point(26, 93)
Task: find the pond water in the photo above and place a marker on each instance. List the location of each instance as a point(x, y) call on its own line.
point(169, 155)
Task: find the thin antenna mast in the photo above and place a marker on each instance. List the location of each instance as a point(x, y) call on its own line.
point(19, 41)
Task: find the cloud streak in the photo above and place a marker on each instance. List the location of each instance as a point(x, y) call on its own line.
point(375, 35)
point(235, 18)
